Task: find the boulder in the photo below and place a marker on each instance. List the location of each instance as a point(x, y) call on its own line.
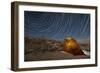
point(70, 45)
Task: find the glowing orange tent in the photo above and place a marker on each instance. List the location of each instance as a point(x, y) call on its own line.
point(72, 46)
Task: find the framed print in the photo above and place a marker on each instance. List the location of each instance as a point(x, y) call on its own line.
point(52, 36)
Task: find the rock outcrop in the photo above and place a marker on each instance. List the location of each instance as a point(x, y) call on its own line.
point(72, 46)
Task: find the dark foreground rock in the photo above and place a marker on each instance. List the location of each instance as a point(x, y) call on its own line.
point(54, 55)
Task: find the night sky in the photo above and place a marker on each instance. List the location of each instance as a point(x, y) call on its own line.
point(56, 25)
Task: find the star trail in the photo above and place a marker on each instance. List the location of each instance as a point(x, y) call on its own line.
point(56, 25)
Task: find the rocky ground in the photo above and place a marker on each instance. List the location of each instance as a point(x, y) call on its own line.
point(51, 50)
point(55, 55)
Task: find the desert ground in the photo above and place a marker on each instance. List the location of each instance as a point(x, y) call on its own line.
point(39, 49)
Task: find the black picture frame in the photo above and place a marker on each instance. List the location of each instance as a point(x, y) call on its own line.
point(15, 33)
